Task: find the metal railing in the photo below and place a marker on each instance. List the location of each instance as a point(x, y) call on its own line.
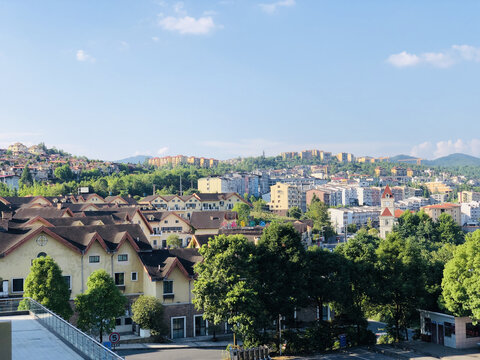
point(84, 343)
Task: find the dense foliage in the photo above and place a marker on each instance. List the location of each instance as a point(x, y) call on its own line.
point(46, 285)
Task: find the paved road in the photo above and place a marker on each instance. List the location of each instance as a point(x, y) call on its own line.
point(208, 354)
point(178, 354)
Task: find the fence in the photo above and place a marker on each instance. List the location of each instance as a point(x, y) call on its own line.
point(259, 353)
point(85, 344)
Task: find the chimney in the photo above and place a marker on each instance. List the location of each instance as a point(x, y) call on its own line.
point(59, 206)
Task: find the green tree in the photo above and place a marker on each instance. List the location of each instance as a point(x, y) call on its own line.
point(281, 265)
point(173, 241)
point(402, 281)
point(226, 286)
point(243, 211)
point(64, 173)
point(26, 178)
point(99, 306)
point(352, 228)
point(148, 313)
point(461, 279)
point(360, 255)
point(318, 212)
point(449, 231)
point(295, 212)
point(46, 285)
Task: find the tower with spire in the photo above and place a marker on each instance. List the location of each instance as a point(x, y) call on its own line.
point(387, 212)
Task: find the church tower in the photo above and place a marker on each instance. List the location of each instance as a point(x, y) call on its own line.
point(387, 212)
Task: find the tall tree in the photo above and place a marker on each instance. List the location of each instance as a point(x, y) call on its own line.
point(318, 212)
point(46, 284)
point(402, 279)
point(281, 263)
point(26, 178)
point(461, 279)
point(226, 287)
point(449, 231)
point(99, 306)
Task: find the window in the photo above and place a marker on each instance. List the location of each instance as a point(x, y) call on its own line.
point(178, 327)
point(200, 325)
point(449, 329)
point(122, 257)
point(94, 259)
point(472, 330)
point(68, 280)
point(154, 242)
point(120, 278)
point(118, 322)
point(134, 276)
point(128, 321)
point(167, 287)
point(17, 285)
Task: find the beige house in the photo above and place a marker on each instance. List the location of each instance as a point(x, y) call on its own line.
point(454, 210)
point(166, 223)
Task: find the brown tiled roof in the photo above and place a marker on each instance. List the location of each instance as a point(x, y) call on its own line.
point(159, 263)
point(211, 219)
point(386, 192)
point(386, 212)
point(44, 212)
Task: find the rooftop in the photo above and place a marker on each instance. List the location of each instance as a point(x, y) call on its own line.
point(29, 337)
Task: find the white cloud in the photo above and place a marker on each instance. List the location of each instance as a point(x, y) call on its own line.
point(84, 57)
point(429, 150)
point(155, 39)
point(187, 24)
point(162, 150)
point(443, 59)
point(403, 59)
point(270, 8)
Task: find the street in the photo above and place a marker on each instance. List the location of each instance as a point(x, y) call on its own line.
point(175, 354)
point(208, 354)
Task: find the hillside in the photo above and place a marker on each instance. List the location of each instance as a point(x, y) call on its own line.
point(404, 158)
point(139, 159)
point(457, 159)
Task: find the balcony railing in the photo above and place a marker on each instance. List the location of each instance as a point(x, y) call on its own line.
point(85, 344)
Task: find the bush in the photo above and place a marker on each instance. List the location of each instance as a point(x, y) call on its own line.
point(386, 339)
point(148, 313)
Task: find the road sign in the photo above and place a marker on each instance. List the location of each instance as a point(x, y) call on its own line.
point(114, 337)
point(107, 344)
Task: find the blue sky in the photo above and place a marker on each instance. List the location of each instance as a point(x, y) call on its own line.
point(111, 79)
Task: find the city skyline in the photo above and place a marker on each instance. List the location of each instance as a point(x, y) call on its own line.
point(224, 79)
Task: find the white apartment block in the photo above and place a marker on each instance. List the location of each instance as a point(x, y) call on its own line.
point(341, 217)
point(369, 196)
point(413, 203)
point(470, 212)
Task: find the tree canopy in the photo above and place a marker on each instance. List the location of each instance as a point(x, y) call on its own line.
point(46, 285)
point(101, 303)
point(147, 311)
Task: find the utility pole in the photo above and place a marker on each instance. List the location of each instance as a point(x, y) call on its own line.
point(153, 189)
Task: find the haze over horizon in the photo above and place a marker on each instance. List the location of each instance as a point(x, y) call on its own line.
point(225, 79)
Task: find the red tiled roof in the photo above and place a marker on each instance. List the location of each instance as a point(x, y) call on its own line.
point(398, 213)
point(386, 192)
point(442, 206)
point(386, 212)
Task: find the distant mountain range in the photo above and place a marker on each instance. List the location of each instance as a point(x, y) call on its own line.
point(451, 160)
point(139, 159)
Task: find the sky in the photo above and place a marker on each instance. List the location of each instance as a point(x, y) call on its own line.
point(228, 78)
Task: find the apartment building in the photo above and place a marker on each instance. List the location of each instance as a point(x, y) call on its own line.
point(239, 183)
point(434, 211)
point(438, 187)
point(360, 216)
point(468, 196)
point(413, 203)
point(283, 197)
point(379, 171)
point(181, 159)
point(369, 196)
point(470, 212)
